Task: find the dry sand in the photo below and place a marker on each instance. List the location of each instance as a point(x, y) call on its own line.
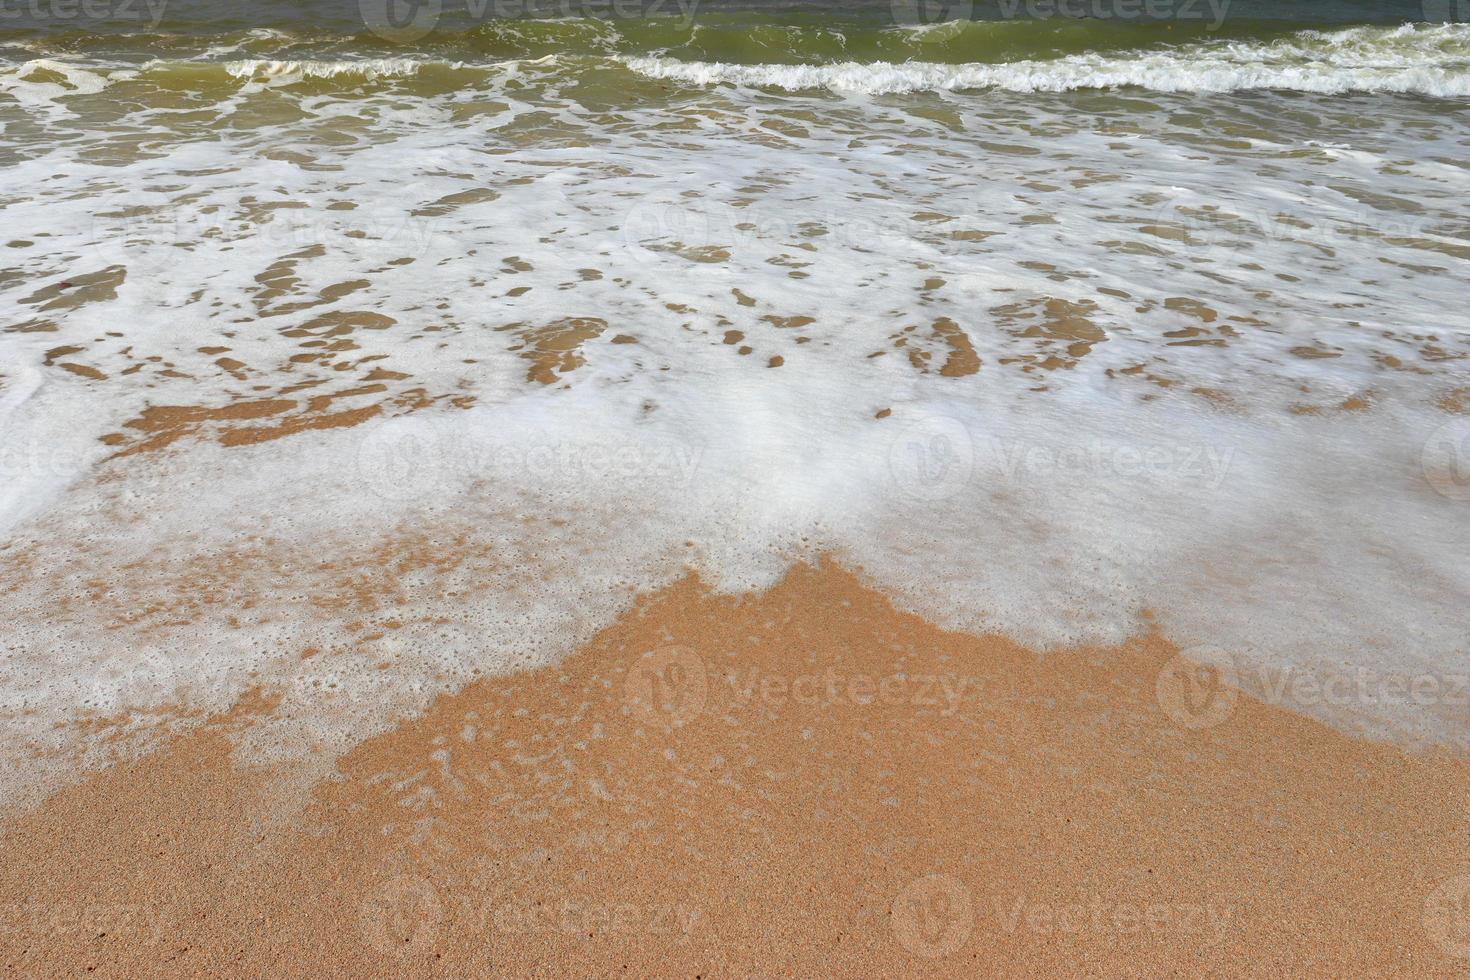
point(804, 782)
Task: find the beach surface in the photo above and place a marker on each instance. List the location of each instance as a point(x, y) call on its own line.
point(796, 782)
point(769, 489)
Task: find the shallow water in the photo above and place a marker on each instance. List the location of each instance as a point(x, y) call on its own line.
point(1042, 323)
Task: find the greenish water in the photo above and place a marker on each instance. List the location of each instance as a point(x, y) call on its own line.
point(1041, 320)
point(944, 31)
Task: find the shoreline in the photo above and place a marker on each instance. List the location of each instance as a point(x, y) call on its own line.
point(801, 779)
point(807, 492)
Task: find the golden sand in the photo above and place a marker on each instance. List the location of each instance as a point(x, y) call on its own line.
point(804, 782)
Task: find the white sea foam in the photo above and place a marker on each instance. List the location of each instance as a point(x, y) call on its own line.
point(1211, 385)
point(366, 67)
point(1160, 73)
point(48, 82)
point(1424, 60)
point(40, 82)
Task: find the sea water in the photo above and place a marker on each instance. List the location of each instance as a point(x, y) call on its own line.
point(350, 357)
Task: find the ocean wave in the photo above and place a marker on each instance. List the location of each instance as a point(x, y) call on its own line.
point(1431, 60)
point(365, 68)
point(37, 83)
point(1158, 74)
point(43, 81)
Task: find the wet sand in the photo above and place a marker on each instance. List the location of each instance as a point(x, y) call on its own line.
point(804, 782)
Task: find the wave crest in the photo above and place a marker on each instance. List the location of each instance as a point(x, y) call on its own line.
point(1433, 60)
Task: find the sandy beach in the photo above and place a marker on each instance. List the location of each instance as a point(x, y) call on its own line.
point(800, 782)
point(706, 488)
